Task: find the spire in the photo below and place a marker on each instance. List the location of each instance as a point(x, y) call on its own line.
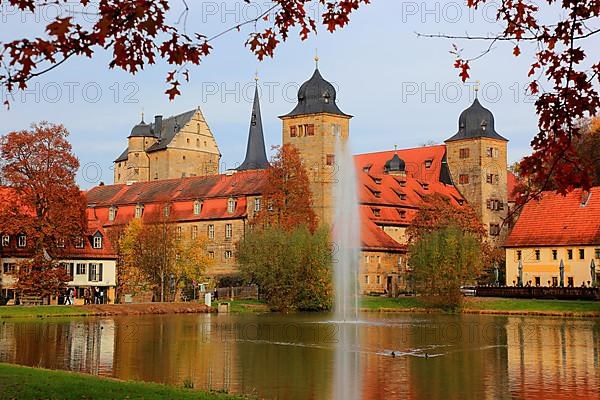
point(256, 156)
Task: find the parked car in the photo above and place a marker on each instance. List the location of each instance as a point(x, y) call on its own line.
point(468, 290)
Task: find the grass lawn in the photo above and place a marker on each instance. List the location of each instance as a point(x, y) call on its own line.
point(485, 304)
point(376, 303)
point(245, 306)
point(41, 311)
point(501, 304)
point(24, 383)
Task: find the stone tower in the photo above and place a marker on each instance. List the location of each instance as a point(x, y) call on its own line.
point(476, 155)
point(314, 126)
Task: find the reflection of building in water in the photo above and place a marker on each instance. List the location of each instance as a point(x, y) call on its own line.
point(556, 356)
point(92, 347)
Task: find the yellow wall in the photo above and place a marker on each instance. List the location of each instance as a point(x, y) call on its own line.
point(546, 267)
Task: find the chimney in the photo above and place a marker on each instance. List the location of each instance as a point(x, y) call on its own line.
point(158, 126)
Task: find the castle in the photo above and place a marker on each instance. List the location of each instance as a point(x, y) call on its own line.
point(176, 161)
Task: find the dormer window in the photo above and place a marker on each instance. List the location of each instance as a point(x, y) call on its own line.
point(21, 241)
point(377, 181)
point(112, 213)
point(425, 186)
point(166, 210)
point(97, 241)
point(197, 207)
point(428, 163)
point(376, 212)
point(367, 168)
point(402, 196)
point(231, 206)
point(79, 242)
point(483, 125)
point(326, 97)
point(377, 194)
point(60, 243)
point(139, 211)
point(5, 240)
point(402, 214)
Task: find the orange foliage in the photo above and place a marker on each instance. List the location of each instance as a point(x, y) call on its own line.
point(287, 195)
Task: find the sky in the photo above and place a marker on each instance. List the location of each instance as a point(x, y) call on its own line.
point(401, 89)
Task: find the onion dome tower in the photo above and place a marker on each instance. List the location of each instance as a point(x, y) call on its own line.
point(315, 127)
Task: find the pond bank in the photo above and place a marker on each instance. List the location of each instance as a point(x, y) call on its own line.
point(103, 310)
point(24, 383)
point(489, 305)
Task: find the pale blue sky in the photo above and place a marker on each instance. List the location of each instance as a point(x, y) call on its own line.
point(401, 89)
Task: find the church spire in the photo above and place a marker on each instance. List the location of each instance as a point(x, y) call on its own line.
point(256, 156)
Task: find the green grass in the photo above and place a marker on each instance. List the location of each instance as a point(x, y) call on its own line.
point(245, 306)
point(497, 304)
point(376, 303)
point(42, 311)
point(24, 383)
point(477, 304)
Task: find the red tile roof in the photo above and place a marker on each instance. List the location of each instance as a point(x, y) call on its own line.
point(397, 199)
point(557, 220)
point(213, 191)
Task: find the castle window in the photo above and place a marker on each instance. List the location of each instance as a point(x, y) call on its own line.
point(555, 254)
point(21, 241)
point(537, 255)
point(211, 255)
point(231, 206)
point(197, 142)
point(310, 130)
point(211, 232)
point(179, 232)
point(376, 212)
point(492, 152)
point(97, 242)
point(494, 229)
point(228, 231)
point(293, 131)
point(597, 253)
point(136, 171)
point(188, 141)
point(463, 153)
point(300, 130)
point(197, 207)
point(80, 269)
point(463, 179)
point(228, 254)
point(194, 232)
point(581, 254)
point(428, 163)
point(519, 255)
point(139, 211)
point(570, 254)
point(367, 279)
point(257, 204)
point(495, 205)
point(492, 179)
point(330, 159)
point(5, 240)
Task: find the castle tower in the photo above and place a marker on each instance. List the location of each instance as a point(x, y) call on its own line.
point(477, 158)
point(314, 126)
point(256, 156)
point(139, 140)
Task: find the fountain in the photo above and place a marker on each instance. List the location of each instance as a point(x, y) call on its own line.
point(346, 255)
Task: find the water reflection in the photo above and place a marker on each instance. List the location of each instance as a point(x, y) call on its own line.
point(293, 357)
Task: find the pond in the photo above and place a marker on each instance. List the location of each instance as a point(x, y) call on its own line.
point(293, 356)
